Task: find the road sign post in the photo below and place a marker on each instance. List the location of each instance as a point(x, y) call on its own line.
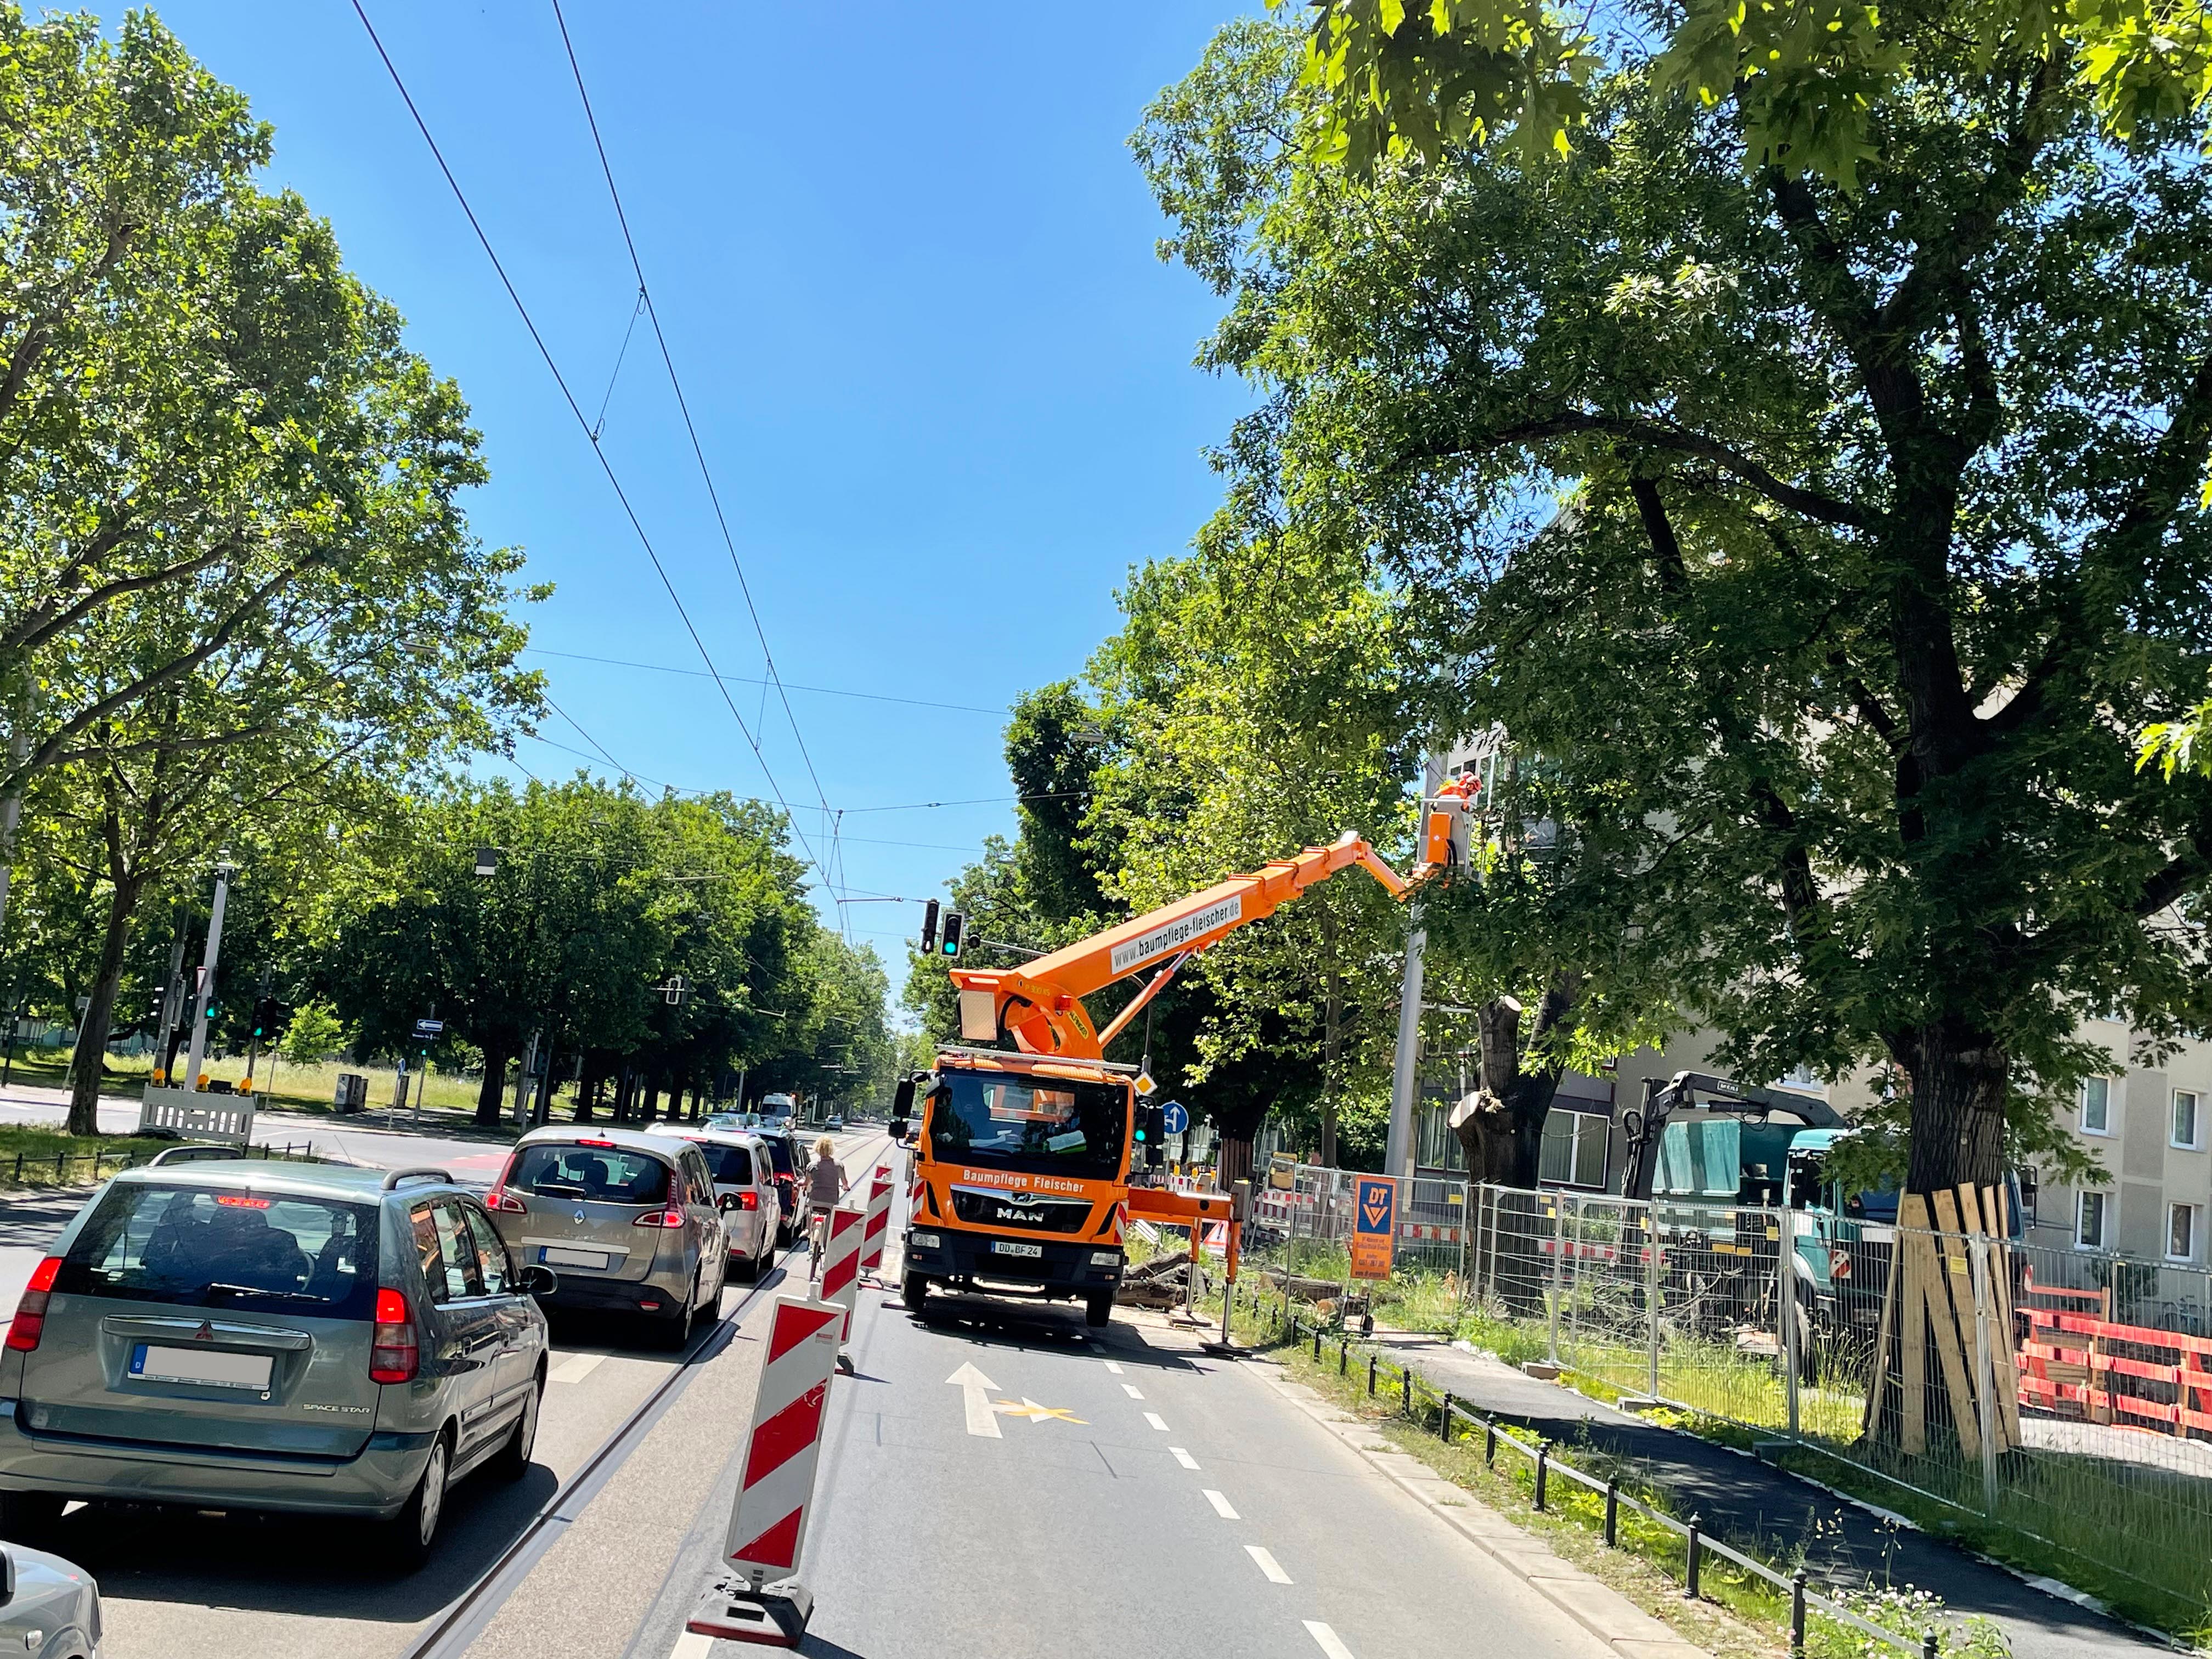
point(1374, 1227)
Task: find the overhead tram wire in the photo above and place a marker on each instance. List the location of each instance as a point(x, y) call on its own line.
point(606, 466)
point(683, 406)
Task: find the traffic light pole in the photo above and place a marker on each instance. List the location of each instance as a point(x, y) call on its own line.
point(198, 1051)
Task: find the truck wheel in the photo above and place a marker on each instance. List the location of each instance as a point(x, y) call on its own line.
point(914, 1290)
point(1099, 1308)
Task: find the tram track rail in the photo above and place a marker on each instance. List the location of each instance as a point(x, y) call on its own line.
point(462, 1621)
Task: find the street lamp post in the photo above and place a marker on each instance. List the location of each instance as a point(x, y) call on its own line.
point(223, 874)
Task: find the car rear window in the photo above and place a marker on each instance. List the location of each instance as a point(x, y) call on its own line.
point(731, 1165)
point(602, 1175)
point(230, 1248)
point(779, 1155)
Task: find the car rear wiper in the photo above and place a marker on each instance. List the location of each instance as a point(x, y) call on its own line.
point(255, 1290)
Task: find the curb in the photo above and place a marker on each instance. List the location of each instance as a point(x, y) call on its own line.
point(1602, 1611)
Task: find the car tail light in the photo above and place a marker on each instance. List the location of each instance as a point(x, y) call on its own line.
point(500, 1199)
point(30, 1321)
point(594, 1143)
point(669, 1218)
point(393, 1354)
point(749, 1200)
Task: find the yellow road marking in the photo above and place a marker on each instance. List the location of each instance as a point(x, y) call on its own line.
point(1034, 1412)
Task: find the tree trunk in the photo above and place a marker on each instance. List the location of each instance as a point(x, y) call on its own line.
point(1960, 1077)
point(492, 1095)
point(652, 1103)
point(92, 1039)
point(590, 1068)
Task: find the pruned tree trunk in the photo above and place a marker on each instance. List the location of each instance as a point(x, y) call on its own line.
point(1960, 1077)
point(92, 1039)
point(1503, 1135)
point(491, 1094)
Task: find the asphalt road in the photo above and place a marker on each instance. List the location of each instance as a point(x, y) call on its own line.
point(205, 1587)
point(1116, 1493)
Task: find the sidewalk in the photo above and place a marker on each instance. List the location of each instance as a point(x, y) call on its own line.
point(1738, 1496)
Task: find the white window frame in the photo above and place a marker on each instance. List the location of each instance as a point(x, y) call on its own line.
point(2081, 1107)
point(2104, 1201)
point(2195, 1141)
point(2195, 1233)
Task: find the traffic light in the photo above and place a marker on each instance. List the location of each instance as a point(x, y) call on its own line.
point(928, 926)
point(955, 924)
point(262, 1011)
point(1152, 1135)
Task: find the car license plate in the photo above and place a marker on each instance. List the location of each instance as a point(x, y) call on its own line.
point(201, 1367)
point(1008, 1247)
point(554, 1256)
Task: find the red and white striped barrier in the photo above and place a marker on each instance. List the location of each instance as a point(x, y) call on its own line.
point(760, 1599)
point(874, 1224)
point(1419, 1230)
point(841, 1264)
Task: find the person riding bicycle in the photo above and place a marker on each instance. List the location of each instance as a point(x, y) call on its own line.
point(825, 1185)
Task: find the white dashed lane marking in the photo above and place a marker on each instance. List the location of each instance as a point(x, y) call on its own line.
point(1112, 1369)
point(1153, 1418)
point(692, 1646)
point(1268, 1563)
point(575, 1368)
point(1221, 1506)
point(1331, 1642)
point(1183, 1457)
point(1130, 1388)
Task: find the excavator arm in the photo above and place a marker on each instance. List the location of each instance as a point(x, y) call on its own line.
point(1040, 1004)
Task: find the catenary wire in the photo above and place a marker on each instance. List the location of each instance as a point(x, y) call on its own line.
point(683, 405)
point(742, 679)
point(576, 410)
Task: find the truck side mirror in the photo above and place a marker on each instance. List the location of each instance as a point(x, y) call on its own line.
point(898, 1129)
point(903, 1099)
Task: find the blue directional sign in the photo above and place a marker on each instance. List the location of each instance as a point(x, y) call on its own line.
point(1175, 1118)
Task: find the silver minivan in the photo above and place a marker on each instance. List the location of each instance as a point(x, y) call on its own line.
point(744, 1191)
point(244, 1334)
point(628, 1220)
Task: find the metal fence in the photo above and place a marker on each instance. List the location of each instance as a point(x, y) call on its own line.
point(2066, 1405)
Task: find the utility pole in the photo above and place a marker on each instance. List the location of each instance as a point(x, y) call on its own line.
point(253, 1042)
point(1406, 1064)
point(523, 1073)
point(198, 1052)
point(172, 1001)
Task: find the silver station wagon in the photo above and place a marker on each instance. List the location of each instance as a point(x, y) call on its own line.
point(243, 1335)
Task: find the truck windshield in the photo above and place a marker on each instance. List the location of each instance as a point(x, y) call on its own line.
point(1039, 1126)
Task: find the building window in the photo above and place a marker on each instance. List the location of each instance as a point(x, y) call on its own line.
point(2187, 1119)
point(2181, 1233)
point(2096, 1105)
point(1575, 1150)
point(1438, 1146)
point(2092, 1220)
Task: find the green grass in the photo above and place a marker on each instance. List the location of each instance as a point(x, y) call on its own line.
point(278, 1083)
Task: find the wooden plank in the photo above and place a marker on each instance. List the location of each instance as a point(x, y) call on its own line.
point(1878, 1381)
point(2004, 1348)
point(1912, 1322)
point(1951, 1311)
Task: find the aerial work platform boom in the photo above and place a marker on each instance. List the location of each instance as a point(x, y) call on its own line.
point(1040, 1004)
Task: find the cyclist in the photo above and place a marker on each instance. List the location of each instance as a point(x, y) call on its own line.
point(825, 1185)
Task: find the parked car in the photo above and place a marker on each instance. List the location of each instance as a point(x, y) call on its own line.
point(744, 1191)
point(48, 1605)
point(242, 1335)
point(788, 1156)
point(627, 1219)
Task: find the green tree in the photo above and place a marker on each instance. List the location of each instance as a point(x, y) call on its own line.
point(1867, 496)
point(315, 1032)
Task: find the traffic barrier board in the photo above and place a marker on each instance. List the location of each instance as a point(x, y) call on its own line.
point(875, 1222)
point(762, 1600)
point(841, 1264)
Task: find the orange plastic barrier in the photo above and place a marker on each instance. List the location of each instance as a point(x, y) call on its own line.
point(2069, 1357)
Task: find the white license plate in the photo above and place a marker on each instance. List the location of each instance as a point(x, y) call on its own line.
point(554, 1256)
point(203, 1367)
point(1008, 1247)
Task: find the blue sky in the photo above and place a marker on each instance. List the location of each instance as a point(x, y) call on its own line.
point(905, 264)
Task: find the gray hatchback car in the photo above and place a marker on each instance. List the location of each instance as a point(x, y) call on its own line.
point(243, 1335)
